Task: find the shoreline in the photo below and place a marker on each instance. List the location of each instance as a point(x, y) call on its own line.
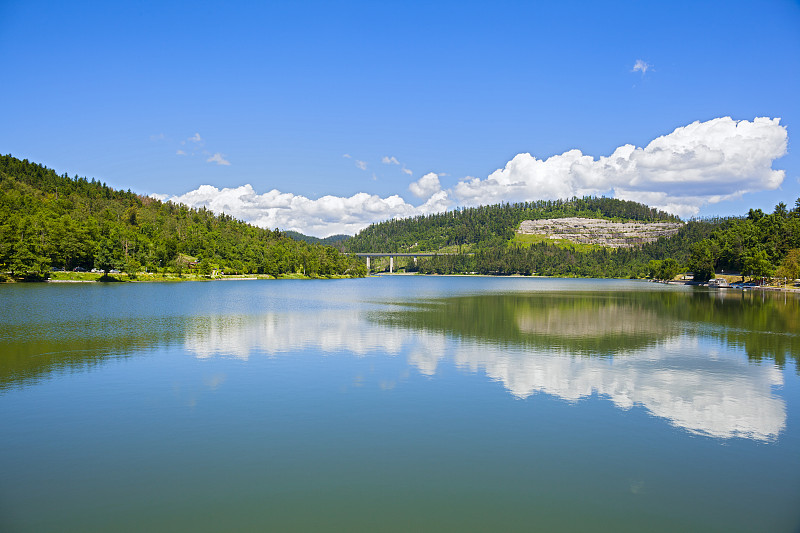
point(81, 277)
point(769, 288)
point(159, 278)
point(535, 276)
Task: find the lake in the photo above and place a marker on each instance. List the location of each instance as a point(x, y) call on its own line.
point(398, 403)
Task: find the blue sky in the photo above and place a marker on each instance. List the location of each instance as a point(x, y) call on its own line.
point(326, 116)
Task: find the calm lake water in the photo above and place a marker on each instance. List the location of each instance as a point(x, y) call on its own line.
point(398, 404)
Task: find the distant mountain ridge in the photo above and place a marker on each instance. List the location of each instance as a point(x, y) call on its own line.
point(332, 240)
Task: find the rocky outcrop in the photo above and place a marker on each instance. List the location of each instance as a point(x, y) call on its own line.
point(598, 231)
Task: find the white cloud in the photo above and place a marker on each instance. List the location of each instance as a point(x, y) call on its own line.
point(702, 163)
point(641, 66)
point(426, 186)
point(219, 159)
point(348, 156)
point(322, 217)
point(736, 400)
point(361, 164)
point(698, 164)
point(392, 160)
point(670, 377)
point(193, 146)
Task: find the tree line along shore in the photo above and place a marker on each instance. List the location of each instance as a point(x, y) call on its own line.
point(488, 240)
point(52, 225)
point(53, 221)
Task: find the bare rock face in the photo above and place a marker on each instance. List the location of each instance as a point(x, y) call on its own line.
point(597, 231)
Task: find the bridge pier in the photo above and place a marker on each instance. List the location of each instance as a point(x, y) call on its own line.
point(391, 255)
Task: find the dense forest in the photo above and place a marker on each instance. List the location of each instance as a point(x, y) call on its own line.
point(758, 245)
point(550, 260)
point(490, 226)
point(483, 237)
point(54, 221)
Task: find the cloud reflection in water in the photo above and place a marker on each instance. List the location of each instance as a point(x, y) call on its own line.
point(697, 383)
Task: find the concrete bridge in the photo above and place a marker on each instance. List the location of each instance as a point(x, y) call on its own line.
point(391, 257)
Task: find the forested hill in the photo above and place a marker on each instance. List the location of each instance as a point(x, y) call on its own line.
point(50, 220)
point(490, 226)
point(758, 245)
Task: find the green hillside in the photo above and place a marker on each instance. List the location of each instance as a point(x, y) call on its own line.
point(484, 240)
point(48, 220)
point(548, 259)
point(492, 225)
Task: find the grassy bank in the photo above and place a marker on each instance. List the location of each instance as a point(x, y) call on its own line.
point(144, 277)
point(528, 239)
